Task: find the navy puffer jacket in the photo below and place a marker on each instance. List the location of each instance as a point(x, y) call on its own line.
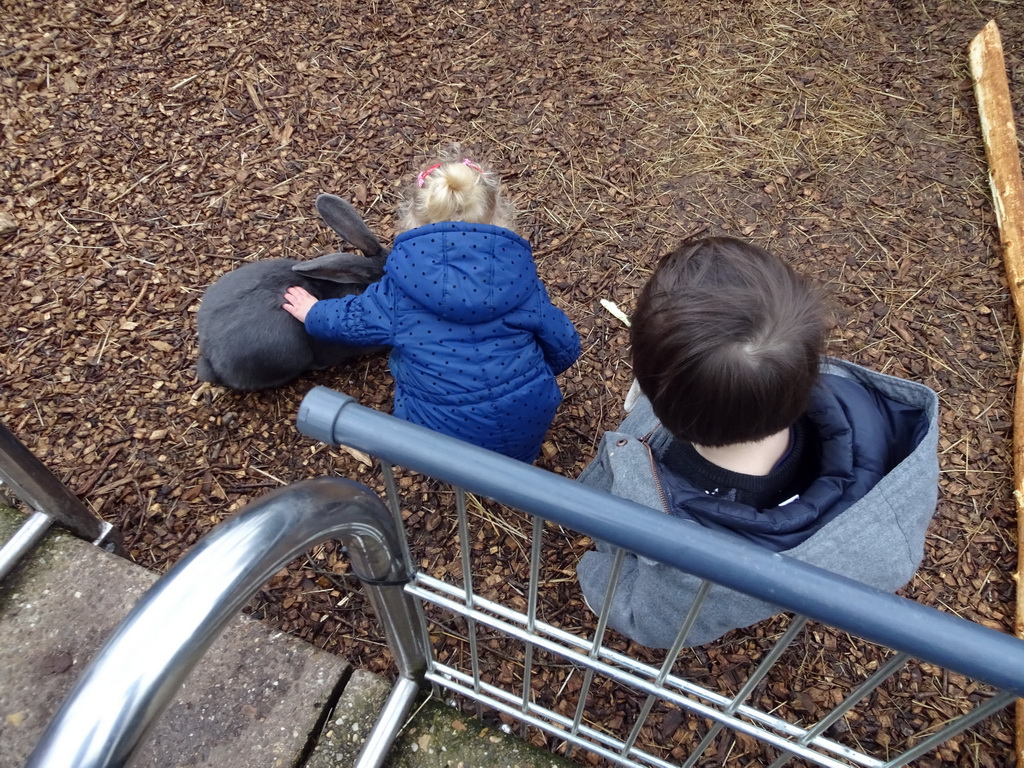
point(476, 343)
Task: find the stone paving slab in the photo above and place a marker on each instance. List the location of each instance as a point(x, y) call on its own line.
point(256, 699)
point(440, 737)
point(436, 736)
point(351, 722)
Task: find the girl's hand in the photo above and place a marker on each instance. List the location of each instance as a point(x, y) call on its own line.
point(297, 302)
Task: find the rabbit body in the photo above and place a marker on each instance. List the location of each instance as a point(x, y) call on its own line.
point(248, 342)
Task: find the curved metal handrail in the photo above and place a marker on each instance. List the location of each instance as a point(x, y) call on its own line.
point(136, 674)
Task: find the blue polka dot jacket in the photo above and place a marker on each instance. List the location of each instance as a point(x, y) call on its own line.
point(476, 343)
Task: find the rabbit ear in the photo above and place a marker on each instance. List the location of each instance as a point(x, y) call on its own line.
point(347, 224)
point(342, 268)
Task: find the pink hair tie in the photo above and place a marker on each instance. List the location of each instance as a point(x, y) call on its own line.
point(465, 161)
point(423, 174)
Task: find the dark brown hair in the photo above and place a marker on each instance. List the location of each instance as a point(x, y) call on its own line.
point(726, 342)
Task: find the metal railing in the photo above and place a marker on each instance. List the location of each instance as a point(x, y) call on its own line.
point(50, 501)
point(136, 674)
point(449, 632)
point(910, 635)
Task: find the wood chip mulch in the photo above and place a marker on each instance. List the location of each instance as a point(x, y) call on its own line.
point(149, 147)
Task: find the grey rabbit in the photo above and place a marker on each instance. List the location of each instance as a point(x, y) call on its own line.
point(247, 341)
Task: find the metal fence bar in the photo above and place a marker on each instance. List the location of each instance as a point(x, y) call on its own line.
point(795, 627)
point(389, 722)
point(881, 675)
point(789, 734)
point(536, 541)
point(627, 670)
point(39, 488)
point(614, 664)
point(976, 715)
point(23, 540)
point(597, 741)
point(609, 595)
point(888, 620)
point(602, 625)
point(467, 582)
point(395, 505)
point(502, 618)
point(802, 737)
point(555, 724)
point(670, 658)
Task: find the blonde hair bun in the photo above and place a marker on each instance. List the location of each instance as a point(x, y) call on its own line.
point(456, 189)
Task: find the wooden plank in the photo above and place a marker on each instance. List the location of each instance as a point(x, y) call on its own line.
point(995, 110)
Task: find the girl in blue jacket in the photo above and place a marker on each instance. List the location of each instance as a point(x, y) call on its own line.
point(476, 343)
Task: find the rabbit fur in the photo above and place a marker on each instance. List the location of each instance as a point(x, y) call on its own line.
point(248, 342)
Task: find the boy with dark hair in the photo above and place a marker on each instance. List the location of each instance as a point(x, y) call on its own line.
point(740, 425)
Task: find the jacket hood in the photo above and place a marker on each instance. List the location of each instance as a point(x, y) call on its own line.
point(862, 435)
point(464, 273)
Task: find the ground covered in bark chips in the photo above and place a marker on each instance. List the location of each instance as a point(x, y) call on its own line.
point(150, 147)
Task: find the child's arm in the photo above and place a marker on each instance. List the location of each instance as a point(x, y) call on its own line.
point(557, 336)
point(366, 319)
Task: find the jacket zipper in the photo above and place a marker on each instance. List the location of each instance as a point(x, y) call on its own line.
point(654, 470)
